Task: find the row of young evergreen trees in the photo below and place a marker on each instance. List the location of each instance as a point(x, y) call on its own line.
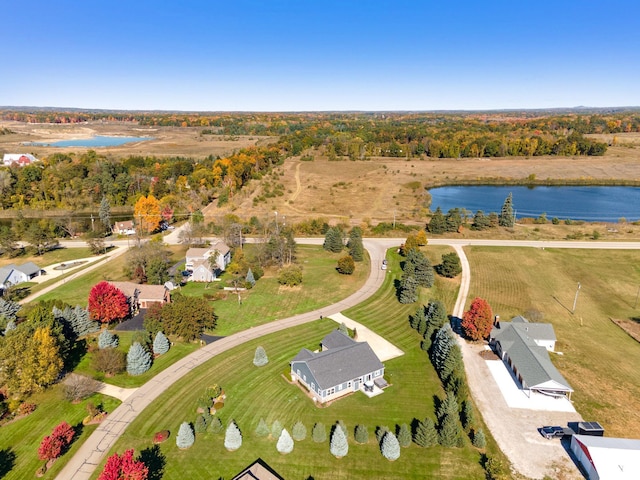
point(334, 241)
point(139, 358)
point(456, 217)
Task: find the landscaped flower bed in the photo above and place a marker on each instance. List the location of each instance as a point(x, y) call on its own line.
point(160, 437)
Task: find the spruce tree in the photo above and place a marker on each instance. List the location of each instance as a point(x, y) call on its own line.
point(404, 435)
point(138, 360)
point(419, 315)
point(442, 343)
point(276, 429)
point(260, 358)
point(436, 315)
point(299, 431)
point(215, 426)
point(250, 279)
point(201, 424)
point(449, 406)
point(467, 415)
point(333, 240)
point(437, 223)
point(426, 434)
point(390, 447)
point(339, 445)
point(185, 437)
point(380, 433)
point(105, 214)
point(9, 309)
point(107, 340)
point(262, 430)
point(319, 433)
point(451, 363)
point(449, 433)
point(355, 246)
point(408, 289)
point(232, 437)
point(480, 221)
point(479, 440)
point(361, 434)
point(422, 268)
point(161, 344)
point(285, 442)
point(507, 218)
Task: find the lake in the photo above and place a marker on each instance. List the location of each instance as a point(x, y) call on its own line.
point(97, 141)
point(592, 204)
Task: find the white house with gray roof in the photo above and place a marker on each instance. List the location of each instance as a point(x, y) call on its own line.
point(341, 367)
point(525, 347)
point(14, 274)
point(198, 261)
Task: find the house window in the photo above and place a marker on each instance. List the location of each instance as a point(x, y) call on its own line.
point(332, 391)
point(313, 386)
point(339, 387)
point(349, 384)
point(304, 377)
point(298, 372)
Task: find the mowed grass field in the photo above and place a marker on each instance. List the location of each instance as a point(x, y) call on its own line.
point(599, 359)
point(254, 393)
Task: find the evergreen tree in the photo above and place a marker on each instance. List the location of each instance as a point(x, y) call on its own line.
point(9, 309)
point(507, 218)
point(436, 315)
point(479, 440)
point(453, 220)
point(138, 360)
point(414, 320)
point(449, 406)
point(106, 339)
point(380, 433)
point(340, 424)
point(355, 246)
point(285, 442)
point(451, 363)
point(232, 437)
point(215, 426)
point(343, 328)
point(422, 268)
point(250, 279)
point(426, 434)
point(161, 344)
point(449, 433)
point(361, 434)
point(299, 431)
point(260, 358)
point(437, 223)
point(442, 343)
point(276, 429)
point(450, 266)
point(11, 325)
point(404, 435)
point(339, 445)
point(333, 240)
point(201, 424)
point(408, 289)
point(185, 437)
point(105, 214)
point(467, 415)
point(262, 430)
point(318, 433)
point(480, 221)
point(390, 447)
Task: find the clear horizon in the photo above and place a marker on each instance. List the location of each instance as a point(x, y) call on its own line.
point(286, 56)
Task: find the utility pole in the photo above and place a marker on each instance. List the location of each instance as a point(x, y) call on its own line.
point(277, 232)
point(394, 219)
point(575, 300)
point(92, 219)
point(637, 295)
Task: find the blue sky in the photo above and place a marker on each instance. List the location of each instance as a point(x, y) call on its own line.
point(275, 55)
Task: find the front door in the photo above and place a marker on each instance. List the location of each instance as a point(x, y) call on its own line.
point(356, 385)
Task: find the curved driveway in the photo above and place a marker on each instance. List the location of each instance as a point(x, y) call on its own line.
point(92, 451)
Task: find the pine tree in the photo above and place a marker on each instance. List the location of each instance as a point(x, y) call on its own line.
point(333, 240)
point(201, 424)
point(361, 434)
point(467, 415)
point(426, 434)
point(9, 309)
point(437, 223)
point(299, 431)
point(339, 445)
point(451, 364)
point(250, 279)
point(507, 218)
point(340, 424)
point(390, 447)
point(449, 433)
point(442, 343)
point(105, 214)
point(260, 358)
point(479, 440)
point(450, 266)
point(422, 268)
point(285, 442)
point(404, 435)
point(138, 360)
point(436, 315)
point(232, 437)
point(106, 339)
point(408, 289)
point(215, 426)
point(318, 433)
point(355, 246)
point(380, 433)
point(262, 430)
point(276, 429)
point(185, 437)
point(414, 320)
point(449, 406)
point(480, 221)
point(161, 344)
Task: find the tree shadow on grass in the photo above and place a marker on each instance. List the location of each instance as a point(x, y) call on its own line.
point(155, 461)
point(7, 461)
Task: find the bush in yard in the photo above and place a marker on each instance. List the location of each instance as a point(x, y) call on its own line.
point(404, 436)
point(478, 320)
point(262, 430)
point(77, 387)
point(106, 339)
point(138, 360)
point(339, 445)
point(299, 431)
point(201, 424)
point(361, 434)
point(276, 429)
point(110, 361)
point(185, 437)
point(381, 431)
point(290, 275)
point(152, 321)
point(260, 358)
point(215, 426)
point(119, 467)
point(285, 442)
point(479, 440)
point(390, 447)
point(450, 266)
point(53, 445)
point(426, 434)
point(161, 344)
point(341, 424)
point(319, 434)
point(232, 437)
point(346, 265)
point(160, 437)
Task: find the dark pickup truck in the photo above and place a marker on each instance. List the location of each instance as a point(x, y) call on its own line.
point(553, 432)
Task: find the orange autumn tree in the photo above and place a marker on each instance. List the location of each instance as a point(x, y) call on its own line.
point(146, 214)
point(478, 320)
point(107, 303)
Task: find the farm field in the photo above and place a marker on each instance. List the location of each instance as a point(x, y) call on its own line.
point(254, 393)
point(599, 359)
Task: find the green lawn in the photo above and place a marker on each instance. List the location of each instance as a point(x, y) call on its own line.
point(49, 258)
point(253, 393)
point(19, 441)
point(600, 360)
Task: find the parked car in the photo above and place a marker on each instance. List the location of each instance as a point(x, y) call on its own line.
point(552, 432)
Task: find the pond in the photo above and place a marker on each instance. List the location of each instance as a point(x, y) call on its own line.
point(592, 204)
point(97, 141)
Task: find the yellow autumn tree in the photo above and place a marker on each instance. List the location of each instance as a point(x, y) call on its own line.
point(146, 214)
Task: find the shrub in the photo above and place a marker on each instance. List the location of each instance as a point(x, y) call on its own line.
point(109, 361)
point(124, 466)
point(260, 358)
point(381, 432)
point(450, 266)
point(232, 437)
point(262, 430)
point(361, 434)
point(106, 339)
point(77, 387)
point(467, 415)
point(185, 437)
point(200, 425)
point(299, 431)
point(346, 265)
point(25, 408)
point(276, 429)
point(339, 445)
point(215, 426)
point(404, 436)
point(142, 337)
point(318, 433)
point(52, 446)
point(479, 440)
point(290, 275)
point(390, 447)
point(161, 344)
point(138, 360)
point(160, 437)
point(285, 442)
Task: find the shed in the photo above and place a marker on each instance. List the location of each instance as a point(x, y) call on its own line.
point(604, 458)
point(590, 428)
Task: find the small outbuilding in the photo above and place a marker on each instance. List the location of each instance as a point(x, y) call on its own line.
point(604, 458)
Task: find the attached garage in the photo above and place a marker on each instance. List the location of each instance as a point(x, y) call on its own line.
point(604, 458)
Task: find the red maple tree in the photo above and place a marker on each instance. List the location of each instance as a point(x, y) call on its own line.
point(107, 303)
point(478, 320)
point(124, 467)
point(52, 445)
